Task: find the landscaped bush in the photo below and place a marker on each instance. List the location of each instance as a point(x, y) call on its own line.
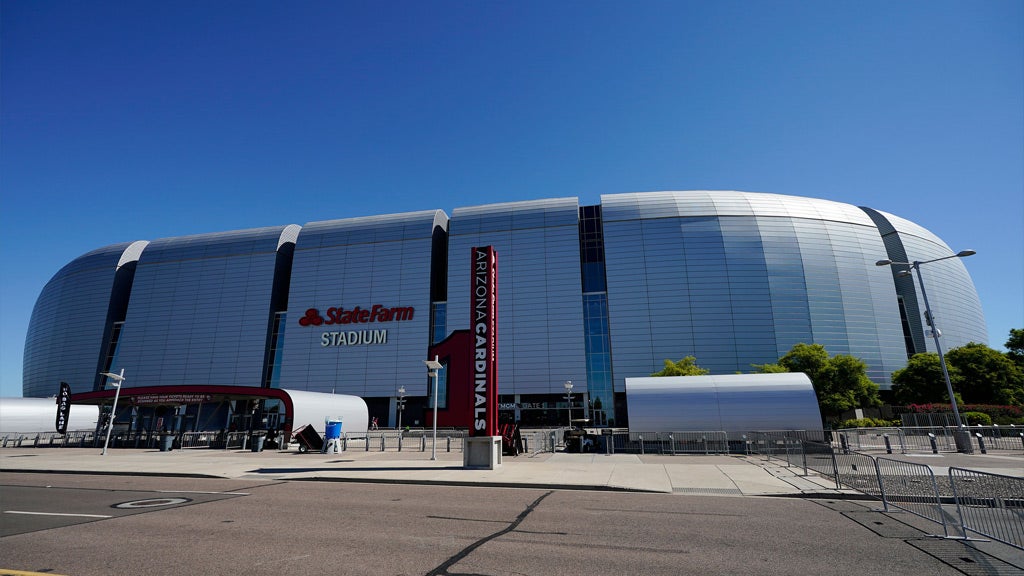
point(1002, 415)
point(867, 423)
point(975, 418)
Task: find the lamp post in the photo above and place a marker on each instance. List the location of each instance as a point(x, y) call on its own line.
point(568, 399)
point(401, 406)
point(432, 367)
point(118, 379)
point(962, 437)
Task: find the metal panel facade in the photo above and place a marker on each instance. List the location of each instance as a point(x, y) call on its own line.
point(731, 278)
point(361, 262)
point(65, 339)
point(737, 279)
point(540, 306)
point(199, 310)
point(951, 291)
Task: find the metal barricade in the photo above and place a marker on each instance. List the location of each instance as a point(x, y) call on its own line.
point(859, 439)
point(71, 439)
point(674, 442)
point(820, 458)
point(858, 472)
point(912, 488)
point(991, 505)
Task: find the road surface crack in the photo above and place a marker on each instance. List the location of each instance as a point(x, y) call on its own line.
point(442, 570)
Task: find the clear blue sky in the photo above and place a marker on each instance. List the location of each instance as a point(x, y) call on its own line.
point(140, 120)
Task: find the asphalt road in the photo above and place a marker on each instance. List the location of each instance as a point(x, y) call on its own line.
point(72, 524)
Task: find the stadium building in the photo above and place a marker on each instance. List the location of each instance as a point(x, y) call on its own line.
point(590, 295)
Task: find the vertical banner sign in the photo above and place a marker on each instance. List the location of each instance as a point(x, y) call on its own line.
point(484, 325)
point(63, 407)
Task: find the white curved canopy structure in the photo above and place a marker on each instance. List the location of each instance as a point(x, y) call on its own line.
point(315, 408)
point(40, 415)
point(734, 403)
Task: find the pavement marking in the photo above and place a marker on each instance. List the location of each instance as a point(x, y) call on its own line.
point(151, 503)
point(56, 514)
point(200, 492)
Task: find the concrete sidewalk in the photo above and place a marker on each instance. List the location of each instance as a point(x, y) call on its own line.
point(717, 475)
point(681, 474)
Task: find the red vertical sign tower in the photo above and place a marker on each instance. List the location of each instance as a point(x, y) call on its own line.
point(484, 330)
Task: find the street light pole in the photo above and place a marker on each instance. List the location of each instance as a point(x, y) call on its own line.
point(433, 366)
point(962, 437)
point(568, 399)
point(401, 406)
point(118, 379)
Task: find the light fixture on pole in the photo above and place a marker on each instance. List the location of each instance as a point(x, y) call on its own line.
point(401, 406)
point(962, 437)
point(118, 379)
point(433, 366)
point(568, 399)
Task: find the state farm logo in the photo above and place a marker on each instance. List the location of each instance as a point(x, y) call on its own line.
point(357, 315)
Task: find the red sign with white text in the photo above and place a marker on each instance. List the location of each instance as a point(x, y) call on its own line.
point(484, 330)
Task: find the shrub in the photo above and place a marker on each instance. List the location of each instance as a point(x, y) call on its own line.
point(865, 423)
point(975, 418)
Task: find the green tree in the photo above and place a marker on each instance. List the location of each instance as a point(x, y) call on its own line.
point(1015, 347)
point(768, 368)
point(840, 382)
point(685, 367)
point(989, 376)
point(811, 359)
point(922, 382)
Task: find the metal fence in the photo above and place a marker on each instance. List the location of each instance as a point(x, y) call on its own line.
point(991, 505)
point(74, 438)
point(539, 441)
point(929, 438)
point(677, 442)
point(912, 488)
point(448, 440)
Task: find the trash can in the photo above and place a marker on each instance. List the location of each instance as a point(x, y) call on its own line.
point(166, 442)
point(257, 441)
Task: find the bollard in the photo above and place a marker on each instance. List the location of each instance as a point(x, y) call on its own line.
point(705, 440)
point(935, 445)
point(423, 443)
point(401, 437)
point(672, 442)
point(1022, 438)
point(803, 454)
point(843, 444)
point(382, 446)
point(888, 446)
point(981, 442)
point(366, 444)
point(449, 443)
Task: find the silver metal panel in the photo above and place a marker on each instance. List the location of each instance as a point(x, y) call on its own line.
point(732, 402)
point(737, 279)
point(951, 292)
point(65, 339)
point(379, 260)
point(200, 308)
point(540, 305)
